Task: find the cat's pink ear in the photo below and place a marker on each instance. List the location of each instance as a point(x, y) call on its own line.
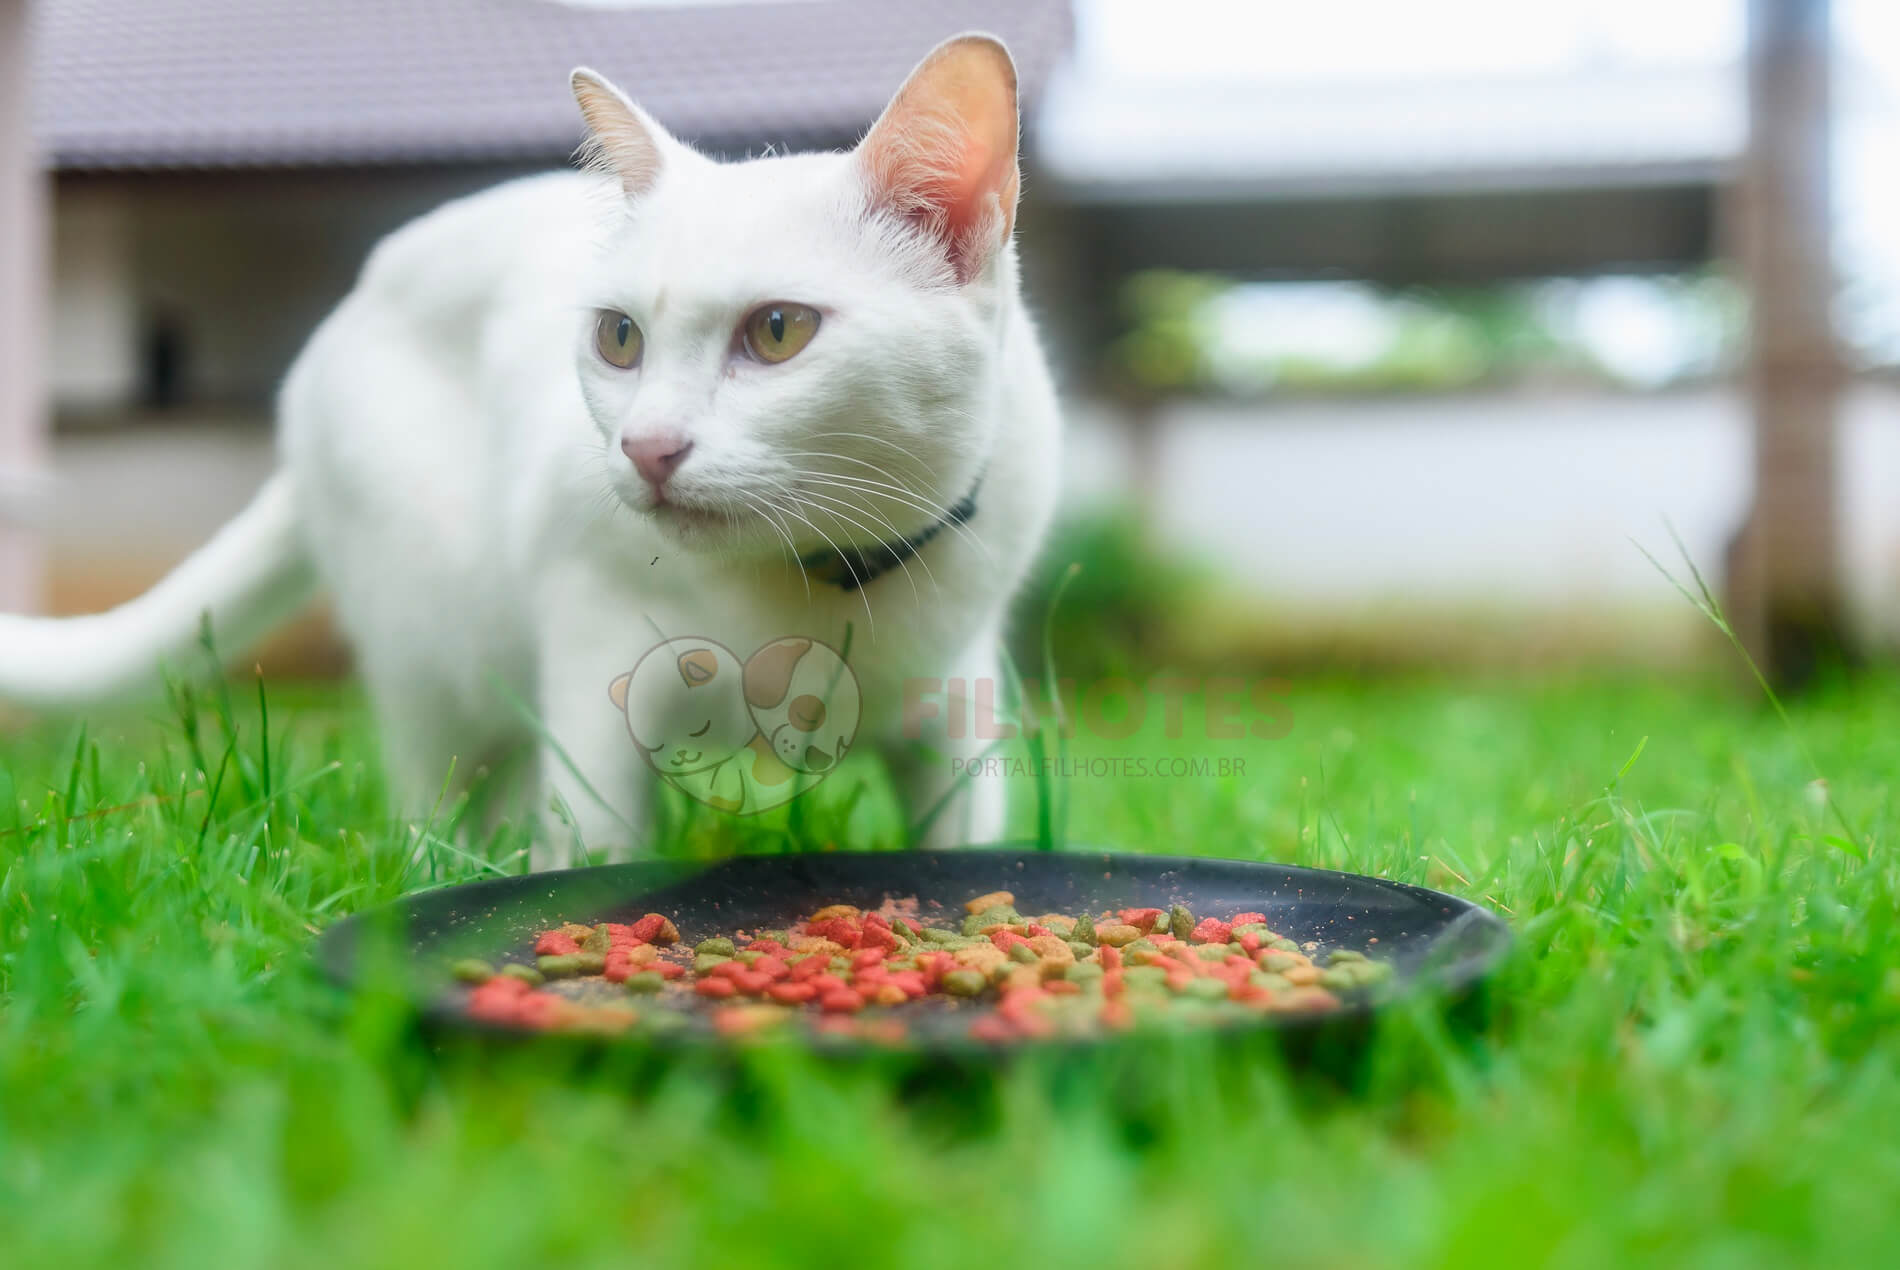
point(943, 153)
point(624, 137)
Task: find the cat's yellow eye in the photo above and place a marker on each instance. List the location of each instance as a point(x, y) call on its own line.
point(776, 332)
point(617, 339)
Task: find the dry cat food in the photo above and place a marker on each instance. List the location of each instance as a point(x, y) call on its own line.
point(997, 973)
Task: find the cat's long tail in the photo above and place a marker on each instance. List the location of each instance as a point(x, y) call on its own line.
point(254, 573)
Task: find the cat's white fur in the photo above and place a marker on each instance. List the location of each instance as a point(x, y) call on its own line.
point(452, 466)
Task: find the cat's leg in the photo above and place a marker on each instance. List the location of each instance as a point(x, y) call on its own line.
point(594, 783)
point(936, 771)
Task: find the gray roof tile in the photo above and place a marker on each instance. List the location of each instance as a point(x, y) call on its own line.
point(243, 83)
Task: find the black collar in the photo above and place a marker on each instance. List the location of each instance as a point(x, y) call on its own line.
point(854, 568)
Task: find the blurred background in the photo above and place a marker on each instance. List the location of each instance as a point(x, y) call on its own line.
point(1389, 332)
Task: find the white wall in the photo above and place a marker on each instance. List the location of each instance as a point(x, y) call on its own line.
point(94, 353)
point(1500, 501)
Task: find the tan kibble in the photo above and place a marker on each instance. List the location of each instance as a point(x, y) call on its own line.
point(642, 955)
point(1023, 977)
point(889, 994)
point(1117, 934)
point(1052, 948)
point(815, 944)
point(1302, 976)
point(983, 957)
point(831, 911)
point(1057, 922)
point(1307, 999)
point(995, 899)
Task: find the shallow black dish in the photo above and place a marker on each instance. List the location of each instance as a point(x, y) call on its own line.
point(1434, 941)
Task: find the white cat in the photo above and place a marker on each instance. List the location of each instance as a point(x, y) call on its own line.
point(564, 419)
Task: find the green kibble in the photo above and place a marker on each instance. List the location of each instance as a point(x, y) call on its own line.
point(589, 963)
point(1268, 980)
point(1344, 954)
point(1081, 950)
point(938, 935)
point(1082, 972)
point(1180, 922)
point(527, 974)
point(560, 965)
point(964, 983)
point(1001, 915)
point(597, 941)
point(1023, 953)
point(1211, 952)
point(1144, 976)
point(1254, 928)
point(746, 956)
point(1374, 971)
point(706, 961)
point(717, 944)
point(646, 981)
point(1276, 960)
point(472, 970)
point(839, 965)
point(1338, 978)
point(1144, 944)
point(1285, 945)
point(1236, 949)
point(1205, 989)
point(1084, 931)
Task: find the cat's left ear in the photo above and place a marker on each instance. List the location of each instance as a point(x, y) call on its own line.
point(629, 142)
point(943, 153)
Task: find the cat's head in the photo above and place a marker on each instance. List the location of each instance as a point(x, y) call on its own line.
point(804, 349)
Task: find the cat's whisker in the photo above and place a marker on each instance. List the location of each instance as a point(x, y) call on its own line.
point(790, 548)
point(902, 564)
point(963, 531)
point(869, 621)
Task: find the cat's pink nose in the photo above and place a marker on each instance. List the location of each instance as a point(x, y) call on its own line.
point(656, 456)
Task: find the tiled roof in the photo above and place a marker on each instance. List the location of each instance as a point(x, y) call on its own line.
point(244, 83)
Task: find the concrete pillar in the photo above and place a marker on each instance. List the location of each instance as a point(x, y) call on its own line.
point(1785, 587)
point(23, 414)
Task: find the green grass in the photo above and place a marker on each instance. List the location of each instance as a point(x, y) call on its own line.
point(1695, 1060)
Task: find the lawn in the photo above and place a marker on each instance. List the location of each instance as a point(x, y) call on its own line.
point(1694, 1059)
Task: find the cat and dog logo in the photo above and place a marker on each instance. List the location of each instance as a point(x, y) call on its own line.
point(741, 736)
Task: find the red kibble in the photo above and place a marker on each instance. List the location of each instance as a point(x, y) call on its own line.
point(879, 937)
point(911, 981)
point(1118, 1014)
point(841, 1001)
point(1142, 919)
point(792, 992)
point(829, 983)
point(810, 967)
point(619, 967)
point(1249, 919)
point(1237, 962)
point(1179, 979)
point(655, 929)
point(620, 933)
point(1250, 942)
point(837, 930)
point(728, 969)
point(770, 947)
point(867, 957)
point(1061, 987)
point(751, 981)
point(992, 1028)
point(667, 969)
point(1110, 957)
point(1006, 939)
point(772, 966)
point(1212, 930)
point(1035, 930)
point(711, 987)
point(555, 943)
point(1112, 984)
point(1016, 1002)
